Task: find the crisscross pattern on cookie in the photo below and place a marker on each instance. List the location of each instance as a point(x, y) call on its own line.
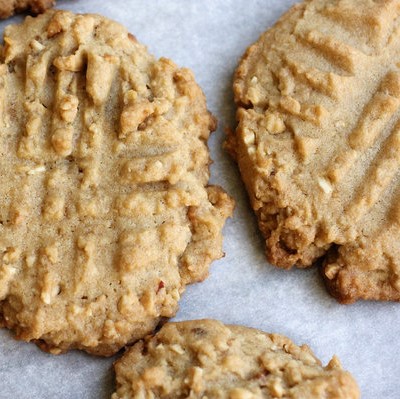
point(318, 141)
point(105, 210)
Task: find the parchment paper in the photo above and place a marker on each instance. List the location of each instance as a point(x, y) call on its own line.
point(209, 36)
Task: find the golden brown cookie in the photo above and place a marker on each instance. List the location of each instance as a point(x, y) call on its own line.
point(9, 7)
point(206, 359)
point(106, 213)
point(318, 142)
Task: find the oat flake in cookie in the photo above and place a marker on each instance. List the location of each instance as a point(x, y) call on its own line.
point(206, 359)
point(106, 214)
point(318, 142)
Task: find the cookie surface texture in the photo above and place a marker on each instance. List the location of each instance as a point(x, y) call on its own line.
point(9, 7)
point(206, 359)
point(106, 212)
point(318, 142)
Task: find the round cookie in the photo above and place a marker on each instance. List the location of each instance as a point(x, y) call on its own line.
point(9, 7)
point(106, 213)
point(318, 142)
point(206, 359)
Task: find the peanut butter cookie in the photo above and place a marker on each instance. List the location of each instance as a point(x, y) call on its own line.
point(9, 7)
point(206, 359)
point(318, 142)
point(105, 209)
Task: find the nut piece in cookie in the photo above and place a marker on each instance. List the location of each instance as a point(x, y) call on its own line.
point(106, 212)
point(206, 359)
point(318, 142)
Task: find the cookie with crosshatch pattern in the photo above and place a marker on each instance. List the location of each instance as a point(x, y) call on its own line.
point(207, 359)
point(105, 208)
point(318, 142)
point(9, 7)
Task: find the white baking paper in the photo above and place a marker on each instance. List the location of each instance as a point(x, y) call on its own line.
point(209, 36)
